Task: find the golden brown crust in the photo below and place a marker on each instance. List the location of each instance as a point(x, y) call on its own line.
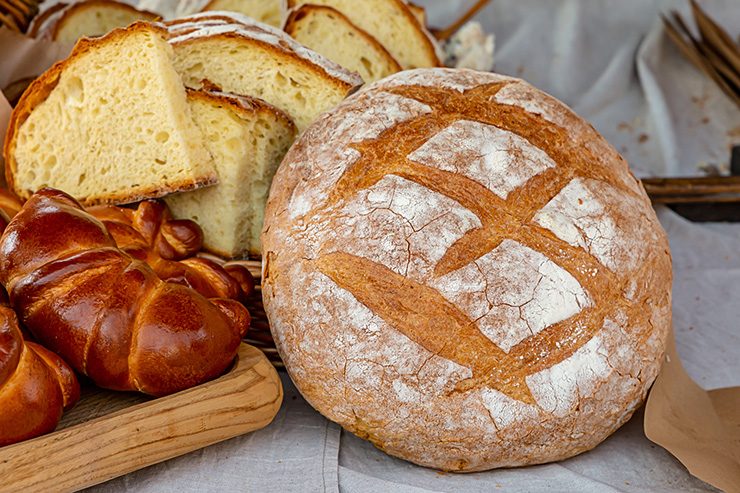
point(459, 269)
point(74, 8)
point(35, 384)
point(341, 84)
point(106, 313)
point(39, 91)
point(427, 44)
point(296, 15)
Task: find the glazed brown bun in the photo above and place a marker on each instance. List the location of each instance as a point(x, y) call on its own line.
point(459, 269)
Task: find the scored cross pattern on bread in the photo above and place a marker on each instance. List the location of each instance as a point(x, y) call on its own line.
point(459, 269)
point(381, 289)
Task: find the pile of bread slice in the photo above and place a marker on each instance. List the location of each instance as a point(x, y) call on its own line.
point(374, 38)
point(200, 109)
point(153, 109)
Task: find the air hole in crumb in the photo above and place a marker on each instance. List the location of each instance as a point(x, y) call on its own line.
point(50, 161)
point(141, 84)
point(368, 66)
point(162, 137)
point(81, 179)
point(75, 91)
point(160, 161)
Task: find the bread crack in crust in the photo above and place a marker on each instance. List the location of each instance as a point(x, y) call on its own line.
point(464, 272)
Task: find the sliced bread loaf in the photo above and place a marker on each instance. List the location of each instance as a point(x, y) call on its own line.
point(329, 32)
point(247, 138)
point(89, 18)
point(271, 65)
point(419, 12)
point(267, 11)
point(390, 22)
point(109, 124)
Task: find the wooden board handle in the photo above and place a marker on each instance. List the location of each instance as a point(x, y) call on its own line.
point(245, 399)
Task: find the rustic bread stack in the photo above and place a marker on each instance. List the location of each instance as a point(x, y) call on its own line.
point(392, 23)
point(247, 139)
point(328, 31)
point(112, 132)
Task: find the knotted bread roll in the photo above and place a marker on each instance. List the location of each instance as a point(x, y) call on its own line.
point(106, 313)
point(35, 384)
point(461, 270)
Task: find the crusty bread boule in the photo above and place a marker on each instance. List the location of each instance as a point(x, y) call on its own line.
point(461, 270)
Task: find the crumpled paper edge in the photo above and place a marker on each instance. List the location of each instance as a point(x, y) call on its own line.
point(700, 428)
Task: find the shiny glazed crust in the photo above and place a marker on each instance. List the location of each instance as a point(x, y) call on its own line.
point(461, 270)
point(105, 313)
point(35, 384)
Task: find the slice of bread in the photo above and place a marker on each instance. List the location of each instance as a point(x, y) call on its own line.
point(39, 22)
point(90, 18)
point(109, 124)
point(419, 12)
point(247, 138)
point(271, 65)
point(392, 24)
point(329, 32)
point(267, 11)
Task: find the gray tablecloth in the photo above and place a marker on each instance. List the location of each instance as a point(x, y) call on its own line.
point(611, 61)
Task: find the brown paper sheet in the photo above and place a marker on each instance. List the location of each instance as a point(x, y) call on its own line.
point(701, 429)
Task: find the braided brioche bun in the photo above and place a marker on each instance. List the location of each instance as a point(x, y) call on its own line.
point(461, 270)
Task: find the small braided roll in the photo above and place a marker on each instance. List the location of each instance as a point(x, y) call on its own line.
point(107, 313)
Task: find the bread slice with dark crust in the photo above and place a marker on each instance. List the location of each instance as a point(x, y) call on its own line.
point(329, 32)
point(90, 18)
point(392, 23)
point(247, 139)
point(267, 11)
point(109, 124)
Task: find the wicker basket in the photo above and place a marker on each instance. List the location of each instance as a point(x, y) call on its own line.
point(17, 14)
point(259, 330)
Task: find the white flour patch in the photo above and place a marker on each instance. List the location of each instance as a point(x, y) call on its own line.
point(459, 80)
point(583, 215)
point(505, 411)
point(535, 101)
point(495, 158)
point(559, 388)
point(401, 225)
point(513, 292)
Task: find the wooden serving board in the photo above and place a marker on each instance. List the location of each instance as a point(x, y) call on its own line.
point(108, 434)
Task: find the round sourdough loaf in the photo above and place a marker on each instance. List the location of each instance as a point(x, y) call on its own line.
point(464, 272)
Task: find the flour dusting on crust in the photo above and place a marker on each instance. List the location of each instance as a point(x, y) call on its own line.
point(500, 160)
point(567, 300)
point(513, 292)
